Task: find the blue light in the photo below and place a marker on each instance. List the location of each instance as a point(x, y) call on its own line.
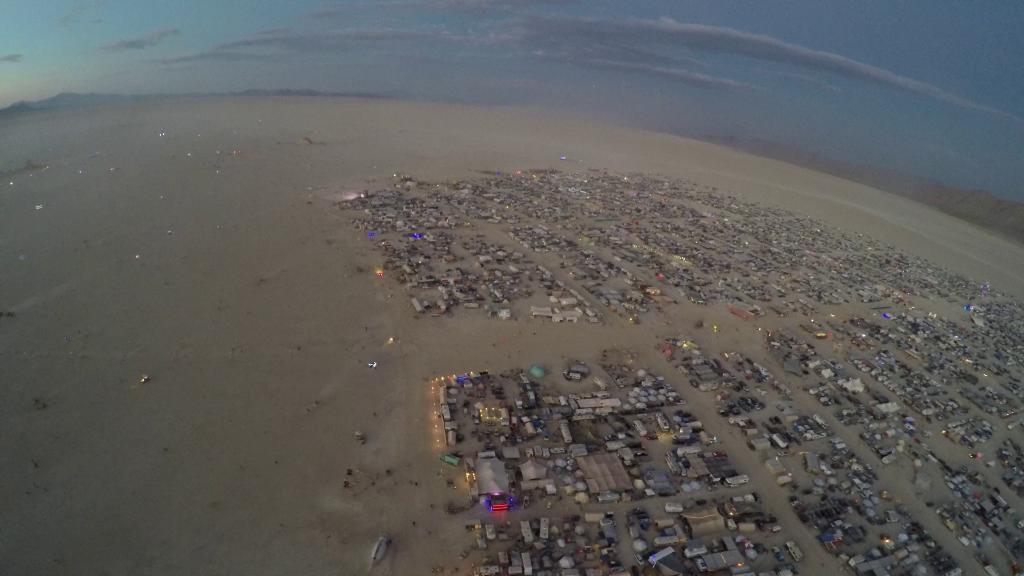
point(370, 234)
point(886, 315)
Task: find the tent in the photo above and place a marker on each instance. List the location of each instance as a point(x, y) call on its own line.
point(491, 477)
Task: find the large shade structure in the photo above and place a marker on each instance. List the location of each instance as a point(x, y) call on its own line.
point(533, 470)
point(491, 477)
point(604, 473)
point(704, 521)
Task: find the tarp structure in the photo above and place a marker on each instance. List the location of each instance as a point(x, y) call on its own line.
point(604, 473)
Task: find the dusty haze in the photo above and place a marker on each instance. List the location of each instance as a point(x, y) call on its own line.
point(234, 284)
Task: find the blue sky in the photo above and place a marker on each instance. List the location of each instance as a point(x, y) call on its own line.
point(930, 87)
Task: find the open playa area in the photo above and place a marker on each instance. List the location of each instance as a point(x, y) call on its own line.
point(230, 328)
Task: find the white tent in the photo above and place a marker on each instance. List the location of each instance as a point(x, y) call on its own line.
point(491, 477)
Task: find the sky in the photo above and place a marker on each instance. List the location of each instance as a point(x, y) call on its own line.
point(929, 87)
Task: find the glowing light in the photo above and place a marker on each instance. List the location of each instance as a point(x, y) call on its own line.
point(379, 272)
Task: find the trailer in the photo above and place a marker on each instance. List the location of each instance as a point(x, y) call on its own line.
point(563, 427)
point(794, 551)
point(663, 423)
point(738, 480)
point(641, 430)
point(527, 531)
point(779, 441)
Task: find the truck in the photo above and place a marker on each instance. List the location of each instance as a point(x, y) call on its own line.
point(608, 529)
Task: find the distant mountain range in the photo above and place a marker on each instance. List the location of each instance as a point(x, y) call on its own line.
point(67, 100)
point(979, 207)
point(79, 100)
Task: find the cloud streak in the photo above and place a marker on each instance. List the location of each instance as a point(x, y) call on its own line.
point(816, 82)
point(715, 39)
point(276, 43)
point(342, 9)
point(142, 42)
point(11, 58)
point(79, 10)
point(685, 76)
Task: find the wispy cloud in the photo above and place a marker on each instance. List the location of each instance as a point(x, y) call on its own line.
point(276, 43)
point(670, 33)
point(342, 9)
point(811, 80)
point(78, 10)
point(142, 42)
point(602, 51)
point(11, 58)
point(692, 78)
point(472, 5)
point(215, 55)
